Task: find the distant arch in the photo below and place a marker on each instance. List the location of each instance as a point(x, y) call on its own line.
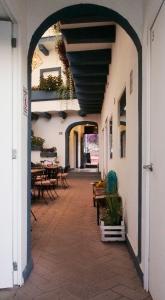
point(67, 134)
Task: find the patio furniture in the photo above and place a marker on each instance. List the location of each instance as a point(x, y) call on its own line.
point(99, 199)
point(44, 185)
point(62, 177)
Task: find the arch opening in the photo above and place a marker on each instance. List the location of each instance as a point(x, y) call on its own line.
point(92, 10)
point(67, 141)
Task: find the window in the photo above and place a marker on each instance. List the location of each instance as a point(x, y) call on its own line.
point(122, 124)
point(111, 137)
point(50, 71)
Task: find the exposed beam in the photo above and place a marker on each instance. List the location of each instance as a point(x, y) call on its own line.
point(34, 116)
point(87, 92)
point(81, 78)
point(90, 70)
point(98, 34)
point(86, 19)
point(92, 57)
point(43, 49)
point(89, 100)
point(100, 87)
point(91, 111)
point(90, 105)
point(46, 115)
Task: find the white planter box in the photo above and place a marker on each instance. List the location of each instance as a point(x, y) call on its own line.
point(112, 233)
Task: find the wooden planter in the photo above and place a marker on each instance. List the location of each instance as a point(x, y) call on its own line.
point(112, 233)
point(48, 154)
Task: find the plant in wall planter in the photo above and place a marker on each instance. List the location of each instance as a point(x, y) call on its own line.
point(37, 143)
point(49, 152)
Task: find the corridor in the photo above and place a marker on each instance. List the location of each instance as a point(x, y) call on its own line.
point(70, 261)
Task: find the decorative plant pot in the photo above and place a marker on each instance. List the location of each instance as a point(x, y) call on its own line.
point(112, 233)
point(36, 148)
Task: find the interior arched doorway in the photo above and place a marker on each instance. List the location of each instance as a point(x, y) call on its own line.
point(82, 10)
point(67, 134)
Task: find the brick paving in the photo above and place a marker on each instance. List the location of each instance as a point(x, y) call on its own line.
point(70, 261)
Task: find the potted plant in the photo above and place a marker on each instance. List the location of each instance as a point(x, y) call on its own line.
point(37, 143)
point(112, 225)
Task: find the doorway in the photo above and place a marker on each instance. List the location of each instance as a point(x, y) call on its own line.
point(81, 145)
point(76, 148)
point(97, 11)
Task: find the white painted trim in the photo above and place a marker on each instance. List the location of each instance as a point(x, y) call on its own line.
point(147, 190)
point(16, 144)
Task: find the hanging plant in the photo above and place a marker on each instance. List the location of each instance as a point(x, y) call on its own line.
point(61, 50)
point(64, 92)
point(60, 46)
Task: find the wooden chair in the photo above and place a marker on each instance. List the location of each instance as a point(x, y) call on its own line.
point(62, 177)
point(44, 185)
point(99, 199)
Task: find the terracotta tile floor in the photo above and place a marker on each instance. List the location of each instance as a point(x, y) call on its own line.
point(70, 261)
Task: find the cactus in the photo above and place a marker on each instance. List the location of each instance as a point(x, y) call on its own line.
point(111, 183)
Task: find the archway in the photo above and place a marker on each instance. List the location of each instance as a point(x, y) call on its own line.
point(67, 133)
point(110, 15)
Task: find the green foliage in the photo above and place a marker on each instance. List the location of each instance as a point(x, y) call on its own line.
point(64, 92)
point(113, 212)
point(60, 46)
point(37, 141)
point(111, 183)
point(50, 83)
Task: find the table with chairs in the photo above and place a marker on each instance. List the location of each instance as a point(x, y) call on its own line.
point(46, 179)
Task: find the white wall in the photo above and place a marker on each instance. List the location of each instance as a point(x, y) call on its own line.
point(50, 61)
point(124, 59)
point(53, 131)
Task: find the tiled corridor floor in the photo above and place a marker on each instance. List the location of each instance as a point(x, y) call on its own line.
point(70, 261)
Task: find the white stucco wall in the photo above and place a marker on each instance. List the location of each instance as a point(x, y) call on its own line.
point(50, 61)
point(53, 131)
point(124, 59)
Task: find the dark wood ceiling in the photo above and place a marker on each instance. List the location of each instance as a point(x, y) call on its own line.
point(89, 65)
